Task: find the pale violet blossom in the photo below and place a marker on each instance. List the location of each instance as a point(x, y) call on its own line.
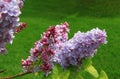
point(9, 20)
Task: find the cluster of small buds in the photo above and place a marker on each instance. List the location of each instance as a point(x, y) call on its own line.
point(9, 20)
point(81, 46)
point(20, 27)
point(45, 49)
point(61, 33)
point(26, 63)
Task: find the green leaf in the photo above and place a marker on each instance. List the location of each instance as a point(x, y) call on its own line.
point(36, 73)
point(103, 75)
point(64, 74)
point(86, 62)
point(59, 73)
point(91, 70)
point(75, 73)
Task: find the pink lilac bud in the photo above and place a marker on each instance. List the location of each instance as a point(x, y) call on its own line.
point(20, 27)
point(26, 65)
point(3, 50)
point(46, 67)
point(9, 20)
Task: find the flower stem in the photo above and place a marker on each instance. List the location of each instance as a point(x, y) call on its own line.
point(17, 75)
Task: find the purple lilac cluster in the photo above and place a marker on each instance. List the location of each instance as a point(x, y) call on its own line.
point(82, 45)
point(42, 54)
point(54, 47)
point(9, 20)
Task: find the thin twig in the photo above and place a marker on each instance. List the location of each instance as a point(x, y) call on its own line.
point(17, 75)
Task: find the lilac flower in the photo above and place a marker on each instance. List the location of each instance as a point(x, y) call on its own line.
point(54, 47)
point(45, 48)
point(82, 45)
point(9, 20)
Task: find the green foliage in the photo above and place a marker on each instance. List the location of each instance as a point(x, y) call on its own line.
point(58, 73)
point(50, 8)
point(92, 71)
point(36, 73)
point(74, 72)
point(103, 75)
point(86, 63)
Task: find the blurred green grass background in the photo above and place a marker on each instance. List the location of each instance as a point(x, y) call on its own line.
point(82, 15)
